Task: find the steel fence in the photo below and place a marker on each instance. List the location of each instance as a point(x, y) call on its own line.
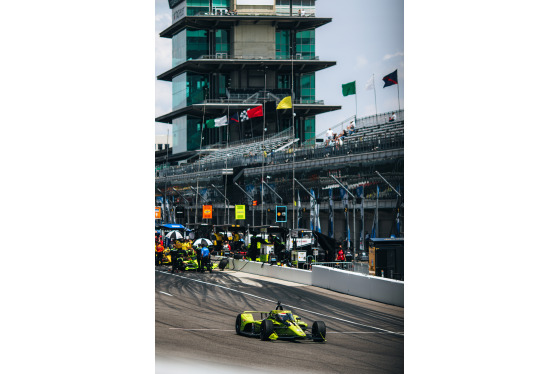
point(356, 267)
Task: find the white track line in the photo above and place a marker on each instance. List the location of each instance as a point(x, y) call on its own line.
point(178, 328)
point(291, 306)
point(165, 293)
point(345, 320)
point(354, 332)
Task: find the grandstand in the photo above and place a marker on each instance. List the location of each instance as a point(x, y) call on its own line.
point(376, 145)
point(249, 148)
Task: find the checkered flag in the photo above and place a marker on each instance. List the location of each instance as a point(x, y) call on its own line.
point(243, 116)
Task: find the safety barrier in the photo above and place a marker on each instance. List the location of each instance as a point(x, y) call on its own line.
point(384, 290)
point(273, 271)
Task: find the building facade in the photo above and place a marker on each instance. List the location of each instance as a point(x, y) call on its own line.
point(232, 55)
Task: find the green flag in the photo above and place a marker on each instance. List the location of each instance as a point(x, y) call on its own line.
point(349, 89)
point(210, 124)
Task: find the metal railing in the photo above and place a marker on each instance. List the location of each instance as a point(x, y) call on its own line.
point(363, 144)
point(355, 267)
point(377, 119)
point(226, 56)
point(243, 13)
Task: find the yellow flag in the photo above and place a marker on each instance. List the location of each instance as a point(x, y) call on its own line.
point(286, 103)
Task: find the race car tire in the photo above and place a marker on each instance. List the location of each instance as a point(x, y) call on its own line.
point(238, 324)
point(319, 331)
point(267, 329)
point(223, 263)
point(237, 256)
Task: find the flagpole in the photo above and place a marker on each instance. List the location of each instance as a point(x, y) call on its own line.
point(199, 153)
point(227, 124)
point(263, 150)
point(165, 189)
point(375, 95)
point(293, 99)
point(399, 95)
point(356, 99)
point(377, 214)
point(227, 150)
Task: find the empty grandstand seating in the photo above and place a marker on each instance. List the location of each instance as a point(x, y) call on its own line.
point(248, 149)
point(375, 134)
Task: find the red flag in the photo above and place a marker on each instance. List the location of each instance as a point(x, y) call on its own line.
point(255, 112)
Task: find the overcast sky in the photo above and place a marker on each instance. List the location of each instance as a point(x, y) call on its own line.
point(365, 37)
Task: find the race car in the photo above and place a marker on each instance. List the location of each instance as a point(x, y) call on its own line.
point(190, 263)
point(166, 260)
point(278, 324)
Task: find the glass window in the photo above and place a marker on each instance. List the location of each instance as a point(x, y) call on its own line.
point(221, 3)
point(283, 81)
point(309, 128)
point(179, 91)
point(179, 134)
point(305, 44)
point(307, 87)
point(179, 48)
point(193, 133)
point(223, 84)
point(307, 5)
point(197, 88)
point(222, 41)
point(282, 44)
point(195, 7)
point(197, 43)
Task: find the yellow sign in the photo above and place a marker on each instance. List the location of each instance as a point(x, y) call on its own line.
point(158, 212)
point(372, 259)
point(207, 212)
point(240, 212)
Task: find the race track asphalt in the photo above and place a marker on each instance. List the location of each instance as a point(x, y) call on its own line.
point(195, 327)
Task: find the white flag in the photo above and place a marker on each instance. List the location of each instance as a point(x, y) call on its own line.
point(369, 84)
point(222, 121)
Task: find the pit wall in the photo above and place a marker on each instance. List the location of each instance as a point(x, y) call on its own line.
point(383, 290)
point(388, 291)
point(272, 271)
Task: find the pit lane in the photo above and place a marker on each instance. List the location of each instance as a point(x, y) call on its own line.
point(195, 317)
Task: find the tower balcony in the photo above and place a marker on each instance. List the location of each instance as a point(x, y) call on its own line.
point(213, 108)
point(225, 63)
point(209, 22)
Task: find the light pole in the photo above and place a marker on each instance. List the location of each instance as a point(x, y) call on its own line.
point(197, 195)
point(394, 189)
point(309, 193)
point(250, 198)
point(385, 180)
point(263, 147)
point(185, 200)
point(354, 209)
point(225, 199)
point(293, 130)
point(225, 184)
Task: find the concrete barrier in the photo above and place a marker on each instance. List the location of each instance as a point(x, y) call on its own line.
point(384, 290)
point(272, 271)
